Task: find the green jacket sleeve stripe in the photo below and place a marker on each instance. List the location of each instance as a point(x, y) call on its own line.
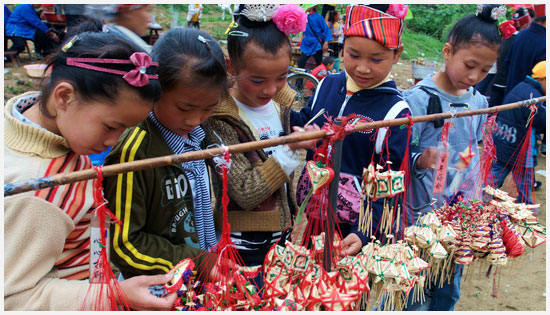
point(124, 191)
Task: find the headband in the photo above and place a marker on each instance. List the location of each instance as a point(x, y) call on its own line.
point(386, 29)
point(136, 77)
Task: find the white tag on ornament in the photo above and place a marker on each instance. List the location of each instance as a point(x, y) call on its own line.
point(95, 251)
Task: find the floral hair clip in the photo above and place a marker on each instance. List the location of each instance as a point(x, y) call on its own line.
point(290, 19)
point(498, 12)
point(398, 10)
point(137, 77)
point(507, 29)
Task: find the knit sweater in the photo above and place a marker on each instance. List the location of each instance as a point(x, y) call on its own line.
point(258, 200)
point(46, 232)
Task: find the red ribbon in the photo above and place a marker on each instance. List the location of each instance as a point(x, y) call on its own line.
point(101, 209)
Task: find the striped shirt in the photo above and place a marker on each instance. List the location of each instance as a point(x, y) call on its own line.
point(70, 198)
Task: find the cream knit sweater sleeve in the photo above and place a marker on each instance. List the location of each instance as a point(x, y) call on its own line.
point(36, 231)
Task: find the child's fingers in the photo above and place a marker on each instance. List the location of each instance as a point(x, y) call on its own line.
point(352, 244)
point(153, 280)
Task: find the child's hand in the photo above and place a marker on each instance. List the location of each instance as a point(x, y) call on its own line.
point(352, 244)
point(427, 159)
point(136, 290)
point(308, 144)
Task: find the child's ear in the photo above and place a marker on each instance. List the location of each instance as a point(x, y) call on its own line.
point(447, 50)
point(63, 95)
point(230, 68)
point(397, 54)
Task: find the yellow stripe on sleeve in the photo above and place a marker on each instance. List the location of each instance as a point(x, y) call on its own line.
point(158, 263)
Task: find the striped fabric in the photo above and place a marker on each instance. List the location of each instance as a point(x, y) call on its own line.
point(72, 199)
point(367, 22)
point(196, 172)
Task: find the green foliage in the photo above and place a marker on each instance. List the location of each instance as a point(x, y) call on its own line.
point(416, 44)
point(177, 7)
point(15, 89)
point(435, 19)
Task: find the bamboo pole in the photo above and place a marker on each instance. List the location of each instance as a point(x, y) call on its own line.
point(134, 166)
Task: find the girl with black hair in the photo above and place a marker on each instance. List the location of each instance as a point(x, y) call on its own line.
point(99, 85)
point(258, 108)
point(167, 211)
point(471, 49)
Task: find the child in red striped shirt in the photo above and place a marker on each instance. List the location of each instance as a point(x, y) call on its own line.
point(82, 109)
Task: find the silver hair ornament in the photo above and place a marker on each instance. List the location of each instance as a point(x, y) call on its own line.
point(498, 12)
point(259, 12)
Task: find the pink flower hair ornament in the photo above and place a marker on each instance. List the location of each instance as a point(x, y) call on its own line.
point(290, 19)
point(398, 10)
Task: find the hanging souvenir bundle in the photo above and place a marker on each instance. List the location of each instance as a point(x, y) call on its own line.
point(489, 231)
point(228, 285)
point(314, 187)
point(104, 293)
point(436, 242)
point(521, 217)
point(383, 182)
point(233, 293)
point(295, 278)
point(376, 185)
point(395, 272)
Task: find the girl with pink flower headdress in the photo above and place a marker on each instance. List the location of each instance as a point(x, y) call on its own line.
point(258, 107)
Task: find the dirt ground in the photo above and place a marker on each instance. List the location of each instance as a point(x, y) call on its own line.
point(522, 282)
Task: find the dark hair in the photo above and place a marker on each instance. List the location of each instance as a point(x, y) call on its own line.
point(328, 60)
point(472, 29)
point(91, 84)
point(332, 16)
point(86, 25)
point(192, 55)
point(264, 34)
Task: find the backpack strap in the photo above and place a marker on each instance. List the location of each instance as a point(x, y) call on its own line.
point(392, 114)
point(434, 106)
